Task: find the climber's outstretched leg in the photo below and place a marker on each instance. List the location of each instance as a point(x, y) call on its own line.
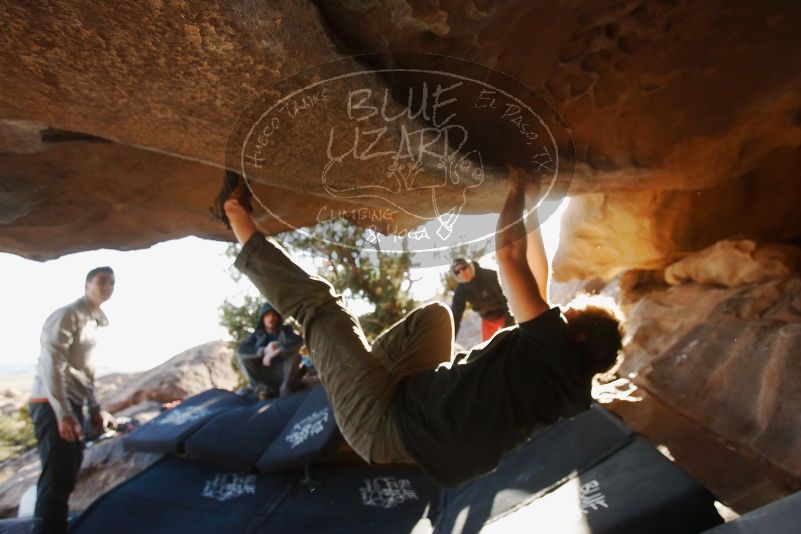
point(360, 385)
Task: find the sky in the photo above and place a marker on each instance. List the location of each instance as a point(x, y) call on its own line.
point(165, 300)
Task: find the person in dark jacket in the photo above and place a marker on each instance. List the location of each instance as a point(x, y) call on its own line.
point(405, 398)
point(270, 357)
point(480, 288)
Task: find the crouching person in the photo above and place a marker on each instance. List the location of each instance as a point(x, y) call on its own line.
point(270, 356)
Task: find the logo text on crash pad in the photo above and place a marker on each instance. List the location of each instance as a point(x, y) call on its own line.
point(180, 415)
point(387, 492)
point(307, 427)
point(226, 486)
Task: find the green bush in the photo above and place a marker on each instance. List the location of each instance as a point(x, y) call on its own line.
point(239, 321)
point(16, 433)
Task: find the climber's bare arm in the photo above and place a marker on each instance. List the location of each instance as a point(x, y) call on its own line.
point(535, 251)
point(511, 245)
point(241, 223)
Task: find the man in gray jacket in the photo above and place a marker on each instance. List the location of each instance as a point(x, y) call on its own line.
point(64, 382)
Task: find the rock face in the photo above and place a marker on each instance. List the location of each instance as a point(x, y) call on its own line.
point(660, 97)
point(714, 354)
point(171, 77)
point(605, 234)
point(721, 349)
point(197, 369)
point(686, 130)
point(727, 358)
point(735, 263)
point(117, 196)
point(638, 82)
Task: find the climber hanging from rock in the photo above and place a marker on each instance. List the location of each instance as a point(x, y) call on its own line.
point(393, 401)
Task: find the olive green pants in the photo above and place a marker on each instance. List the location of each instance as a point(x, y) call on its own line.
point(361, 381)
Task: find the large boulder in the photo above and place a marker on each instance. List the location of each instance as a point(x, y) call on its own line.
point(604, 234)
point(660, 97)
point(712, 359)
point(188, 373)
point(71, 191)
point(61, 190)
point(720, 344)
point(727, 358)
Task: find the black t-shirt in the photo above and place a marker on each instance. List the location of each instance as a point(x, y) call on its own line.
point(457, 421)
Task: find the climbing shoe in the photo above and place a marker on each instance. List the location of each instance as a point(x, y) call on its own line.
point(233, 186)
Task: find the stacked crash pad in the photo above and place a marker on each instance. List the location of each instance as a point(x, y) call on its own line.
point(310, 435)
point(237, 438)
point(167, 433)
point(243, 434)
point(588, 474)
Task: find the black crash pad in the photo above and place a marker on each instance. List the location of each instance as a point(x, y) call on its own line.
point(178, 495)
point(588, 474)
point(238, 437)
point(17, 526)
point(166, 433)
point(534, 468)
point(356, 500)
point(310, 436)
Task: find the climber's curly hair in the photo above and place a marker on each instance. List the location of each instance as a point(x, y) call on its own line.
point(595, 324)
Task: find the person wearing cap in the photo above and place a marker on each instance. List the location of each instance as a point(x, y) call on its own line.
point(480, 288)
point(63, 384)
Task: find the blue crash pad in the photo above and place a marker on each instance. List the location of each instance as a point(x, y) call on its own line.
point(177, 495)
point(588, 474)
point(238, 437)
point(166, 433)
point(310, 436)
